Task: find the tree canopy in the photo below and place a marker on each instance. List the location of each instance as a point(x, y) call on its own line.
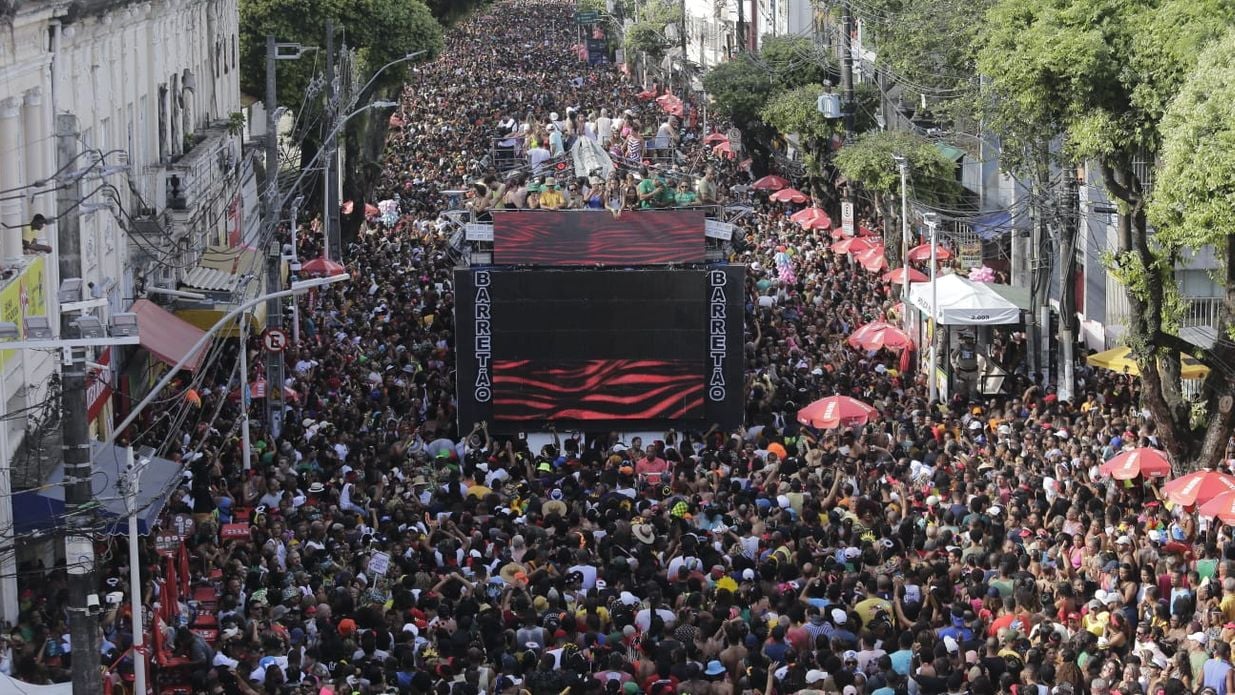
point(931, 46)
point(1101, 73)
point(870, 161)
point(794, 61)
point(739, 89)
point(1193, 202)
point(381, 31)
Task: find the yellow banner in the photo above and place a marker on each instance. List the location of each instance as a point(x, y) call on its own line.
point(25, 297)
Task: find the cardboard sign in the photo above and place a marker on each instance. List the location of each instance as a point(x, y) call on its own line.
point(165, 544)
point(379, 564)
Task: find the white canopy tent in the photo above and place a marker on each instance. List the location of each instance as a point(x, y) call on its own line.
point(12, 685)
point(963, 302)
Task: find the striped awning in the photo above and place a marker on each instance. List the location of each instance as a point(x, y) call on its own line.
point(212, 279)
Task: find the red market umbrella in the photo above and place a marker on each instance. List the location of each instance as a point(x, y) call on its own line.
point(922, 252)
point(898, 276)
point(839, 233)
point(647, 94)
point(865, 231)
point(872, 259)
point(812, 218)
point(714, 138)
point(789, 195)
point(724, 149)
point(670, 104)
point(322, 267)
point(854, 244)
point(1145, 461)
point(770, 183)
point(1221, 508)
point(878, 335)
point(836, 411)
point(1197, 488)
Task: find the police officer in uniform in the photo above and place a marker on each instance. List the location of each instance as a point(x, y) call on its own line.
point(967, 367)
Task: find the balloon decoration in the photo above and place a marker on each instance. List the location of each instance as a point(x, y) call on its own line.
point(981, 274)
point(390, 212)
point(784, 266)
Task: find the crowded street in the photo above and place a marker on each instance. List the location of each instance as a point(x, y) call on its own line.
point(975, 544)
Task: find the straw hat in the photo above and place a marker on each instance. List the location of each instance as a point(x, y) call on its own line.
point(513, 573)
point(644, 533)
point(554, 507)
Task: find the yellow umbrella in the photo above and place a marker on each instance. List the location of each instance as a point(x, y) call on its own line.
point(1120, 360)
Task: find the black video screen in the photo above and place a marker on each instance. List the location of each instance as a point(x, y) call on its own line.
point(598, 348)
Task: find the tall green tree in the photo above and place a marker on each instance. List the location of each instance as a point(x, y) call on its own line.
point(870, 162)
point(381, 31)
point(931, 47)
point(1100, 73)
point(739, 89)
point(794, 111)
point(1193, 205)
point(795, 61)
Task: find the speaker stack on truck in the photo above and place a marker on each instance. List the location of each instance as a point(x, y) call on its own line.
point(590, 322)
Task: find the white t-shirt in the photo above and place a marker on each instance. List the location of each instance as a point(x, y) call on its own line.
point(589, 575)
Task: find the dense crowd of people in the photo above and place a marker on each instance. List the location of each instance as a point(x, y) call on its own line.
point(967, 546)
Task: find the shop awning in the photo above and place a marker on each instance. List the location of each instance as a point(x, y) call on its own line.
point(43, 509)
point(205, 315)
point(165, 336)
point(949, 151)
point(212, 280)
point(238, 260)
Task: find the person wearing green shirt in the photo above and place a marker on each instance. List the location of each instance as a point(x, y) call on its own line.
point(650, 189)
point(684, 197)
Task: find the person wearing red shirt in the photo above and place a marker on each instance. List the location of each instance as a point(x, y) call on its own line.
point(652, 465)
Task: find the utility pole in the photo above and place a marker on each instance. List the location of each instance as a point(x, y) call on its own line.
point(330, 201)
point(903, 165)
point(846, 80)
point(84, 607)
point(1070, 214)
point(272, 126)
point(741, 26)
point(1038, 282)
point(274, 358)
point(685, 77)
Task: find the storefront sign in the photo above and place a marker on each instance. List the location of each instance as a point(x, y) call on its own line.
point(23, 298)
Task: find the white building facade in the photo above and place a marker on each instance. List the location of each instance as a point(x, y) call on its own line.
point(712, 25)
point(153, 86)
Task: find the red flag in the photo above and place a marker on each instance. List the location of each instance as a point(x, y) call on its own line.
point(170, 598)
point(184, 569)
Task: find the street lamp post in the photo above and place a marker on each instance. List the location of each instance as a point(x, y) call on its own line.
point(932, 224)
point(903, 165)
